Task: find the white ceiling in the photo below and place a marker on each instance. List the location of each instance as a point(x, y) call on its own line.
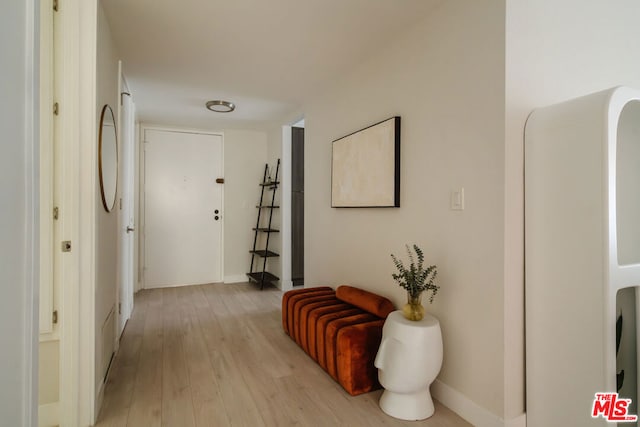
point(266, 56)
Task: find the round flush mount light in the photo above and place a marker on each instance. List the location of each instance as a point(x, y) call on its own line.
point(221, 106)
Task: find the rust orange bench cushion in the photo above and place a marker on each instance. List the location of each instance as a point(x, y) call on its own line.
point(298, 311)
point(341, 330)
point(318, 316)
point(368, 301)
point(287, 305)
point(357, 346)
point(305, 313)
point(331, 340)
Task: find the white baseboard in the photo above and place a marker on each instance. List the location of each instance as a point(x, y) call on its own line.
point(285, 285)
point(237, 278)
point(520, 421)
point(48, 415)
point(99, 400)
point(471, 411)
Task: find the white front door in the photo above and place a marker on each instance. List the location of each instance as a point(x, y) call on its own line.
point(182, 208)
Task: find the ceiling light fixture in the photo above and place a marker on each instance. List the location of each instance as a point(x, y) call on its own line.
point(221, 106)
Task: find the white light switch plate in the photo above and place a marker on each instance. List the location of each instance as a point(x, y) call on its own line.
point(457, 199)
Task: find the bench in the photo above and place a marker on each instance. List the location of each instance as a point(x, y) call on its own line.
point(341, 330)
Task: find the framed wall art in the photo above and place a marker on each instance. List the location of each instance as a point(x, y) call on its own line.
point(365, 167)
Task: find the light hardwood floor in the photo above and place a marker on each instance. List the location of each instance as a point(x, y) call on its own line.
point(216, 355)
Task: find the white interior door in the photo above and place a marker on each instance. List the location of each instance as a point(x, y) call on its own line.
point(127, 225)
point(183, 208)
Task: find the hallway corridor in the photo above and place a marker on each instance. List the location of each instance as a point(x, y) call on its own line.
point(216, 355)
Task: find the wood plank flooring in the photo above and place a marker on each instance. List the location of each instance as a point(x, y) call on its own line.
point(216, 355)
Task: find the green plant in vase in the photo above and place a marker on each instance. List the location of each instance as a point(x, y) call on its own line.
point(415, 279)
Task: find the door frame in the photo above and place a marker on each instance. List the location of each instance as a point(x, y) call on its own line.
point(142, 214)
point(285, 210)
point(49, 186)
point(47, 170)
point(29, 305)
point(285, 204)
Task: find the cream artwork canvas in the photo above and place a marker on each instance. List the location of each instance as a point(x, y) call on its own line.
point(366, 167)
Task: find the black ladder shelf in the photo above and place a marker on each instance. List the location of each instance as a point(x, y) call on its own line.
point(264, 277)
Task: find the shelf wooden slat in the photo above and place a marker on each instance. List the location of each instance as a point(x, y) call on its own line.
point(265, 254)
point(267, 230)
point(260, 277)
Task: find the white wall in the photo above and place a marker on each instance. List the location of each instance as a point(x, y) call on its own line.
point(106, 222)
point(445, 78)
point(554, 51)
point(18, 273)
point(245, 154)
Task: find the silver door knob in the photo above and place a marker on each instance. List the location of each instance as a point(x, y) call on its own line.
point(130, 229)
